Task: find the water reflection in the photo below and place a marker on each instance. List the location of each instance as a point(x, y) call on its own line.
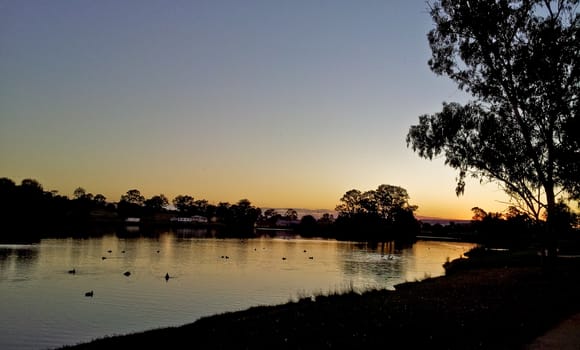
point(371, 265)
point(48, 307)
point(17, 261)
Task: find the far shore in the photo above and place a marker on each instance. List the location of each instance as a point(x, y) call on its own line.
point(495, 300)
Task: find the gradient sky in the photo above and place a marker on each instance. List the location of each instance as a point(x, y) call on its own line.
point(286, 103)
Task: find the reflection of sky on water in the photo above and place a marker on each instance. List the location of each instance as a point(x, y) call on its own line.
point(17, 261)
point(372, 265)
point(44, 306)
point(426, 258)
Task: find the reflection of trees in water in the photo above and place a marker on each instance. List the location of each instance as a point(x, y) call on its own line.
point(21, 259)
point(376, 261)
point(185, 233)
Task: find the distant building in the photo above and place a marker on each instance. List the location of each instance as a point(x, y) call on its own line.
point(189, 220)
point(181, 220)
point(199, 219)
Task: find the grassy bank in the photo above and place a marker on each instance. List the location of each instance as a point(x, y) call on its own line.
point(492, 306)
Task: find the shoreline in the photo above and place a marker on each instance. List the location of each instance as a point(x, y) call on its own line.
point(474, 307)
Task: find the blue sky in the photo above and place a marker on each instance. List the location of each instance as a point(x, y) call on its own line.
point(286, 103)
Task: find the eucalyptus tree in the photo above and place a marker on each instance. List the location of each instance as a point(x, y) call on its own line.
point(519, 62)
point(384, 213)
point(184, 203)
point(391, 201)
point(100, 199)
point(80, 193)
point(131, 204)
point(291, 214)
point(350, 205)
point(244, 215)
point(382, 202)
point(200, 206)
point(133, 197)
point(156, 203)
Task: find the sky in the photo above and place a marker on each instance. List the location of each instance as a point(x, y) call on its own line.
point(289, 104)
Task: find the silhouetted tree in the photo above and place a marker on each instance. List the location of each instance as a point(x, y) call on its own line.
point(9, 202)
point(156, 203)
point(392, 203)
point(291, 215)
point(27, 207)
point(131, 204)
point(377, 214)
point(223, 212)
point(30, 199)
point(308, 226)
point(350, 203)
point(200, 207)
point(564, 218)
point(325, 225)
point(478, 214)
point(82, 204)
point(7, 193)
point(133, 197)
point(244, 215)
point(512, 229)
point(326, 219)
point(519, 60)
point(211, 211)
point(184, 203)
point(402, 223)
point(268, 213)
point(100, 200)
point(80, 193)
point(269, 217)
point(6, 183)
point(31, 189)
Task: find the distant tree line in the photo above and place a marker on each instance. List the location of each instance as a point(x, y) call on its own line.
point(381, 214)
point(514, 228)
point(28, 205)
point(517, 228)
point(375, 215)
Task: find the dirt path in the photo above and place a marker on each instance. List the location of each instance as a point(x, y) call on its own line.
point(565, 336)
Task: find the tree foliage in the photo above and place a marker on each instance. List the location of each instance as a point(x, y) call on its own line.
point(184, 203)
point(511, 229)
point(133, 197)
point(519, 60)
point(384, 202)
point(381, 213)
point(29, 206)
point(156, 203)
point(242, 216)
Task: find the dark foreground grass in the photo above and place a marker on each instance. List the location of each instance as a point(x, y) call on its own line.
point(485, 307)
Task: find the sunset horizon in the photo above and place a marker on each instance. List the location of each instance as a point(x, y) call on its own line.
point(436, 212)
point(285, 105)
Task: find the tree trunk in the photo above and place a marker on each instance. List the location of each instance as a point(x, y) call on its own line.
point(550, 240)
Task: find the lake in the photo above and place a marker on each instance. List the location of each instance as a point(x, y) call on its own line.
point(44, 305)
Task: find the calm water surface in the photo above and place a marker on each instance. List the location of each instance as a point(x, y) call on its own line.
point(44, 306)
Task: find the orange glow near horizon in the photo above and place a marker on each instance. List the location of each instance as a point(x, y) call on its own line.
point(437, 201)
point(225, 107)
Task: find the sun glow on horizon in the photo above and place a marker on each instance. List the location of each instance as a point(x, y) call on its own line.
point(433, 203)
point(288, 108)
